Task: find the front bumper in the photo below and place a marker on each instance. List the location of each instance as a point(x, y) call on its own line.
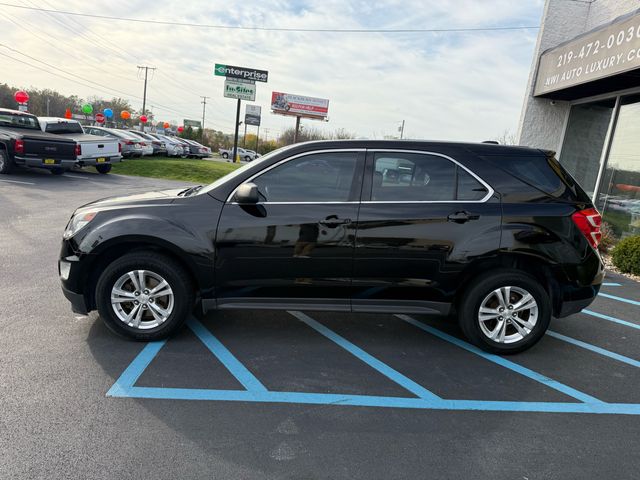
point(73, 277)
point(78, 302)
point(45, 162)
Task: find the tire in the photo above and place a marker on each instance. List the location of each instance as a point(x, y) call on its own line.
point(247, 159)
point(480, 293)
point(57, 171)
point(6, 164)
point(150, 328)
point(103, 168)
point(225, 155)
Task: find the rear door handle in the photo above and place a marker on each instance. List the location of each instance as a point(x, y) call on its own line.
point(334, 221)
point(462, 217)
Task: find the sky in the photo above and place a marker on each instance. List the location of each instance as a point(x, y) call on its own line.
point(450, 86)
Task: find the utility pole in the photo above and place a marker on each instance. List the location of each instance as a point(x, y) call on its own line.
point(235, 136)
point(401, 130)
point(295, 134)
point(144, 95)
point(204, 106)
point(48, 100)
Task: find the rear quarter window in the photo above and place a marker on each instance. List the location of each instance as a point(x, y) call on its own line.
point(544, 173)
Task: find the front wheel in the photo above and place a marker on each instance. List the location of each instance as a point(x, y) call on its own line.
point(504, 312)
point(145, 296)
point(225, 155)
point(106, 168)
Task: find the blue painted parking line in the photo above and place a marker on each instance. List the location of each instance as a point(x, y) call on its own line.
point(611, 284)
point(619, 299)
point(561, 387)
point(610, 318)
point(125, 387)
point(237, 369)
point(373, 362)
point(594, 348)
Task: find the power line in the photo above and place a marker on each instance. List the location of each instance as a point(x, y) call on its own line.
point(274, 29)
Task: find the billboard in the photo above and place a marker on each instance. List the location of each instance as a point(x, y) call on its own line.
point(192, 123)
point(252, 115)
point(299, 105)
point(244, 73)
point(241, 91)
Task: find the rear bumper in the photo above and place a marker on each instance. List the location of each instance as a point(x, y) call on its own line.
point(577, 299)
point(94, 161)
point(40, 162)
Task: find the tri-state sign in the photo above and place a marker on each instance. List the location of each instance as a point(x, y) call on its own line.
point(241, 91)
point(244, 73)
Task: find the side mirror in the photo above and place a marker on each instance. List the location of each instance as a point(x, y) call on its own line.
point(247, 193)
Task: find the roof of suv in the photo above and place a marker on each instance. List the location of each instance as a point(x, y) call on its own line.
point(477, 148)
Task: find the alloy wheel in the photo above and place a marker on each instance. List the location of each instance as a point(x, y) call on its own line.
point(142, 299)
point(508, 314)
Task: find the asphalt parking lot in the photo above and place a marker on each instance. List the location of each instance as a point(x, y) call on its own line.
point(297, 395)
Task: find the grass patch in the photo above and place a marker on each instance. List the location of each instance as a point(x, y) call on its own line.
point(185, 169)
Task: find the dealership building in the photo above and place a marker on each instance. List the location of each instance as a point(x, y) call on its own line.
point(583, 101)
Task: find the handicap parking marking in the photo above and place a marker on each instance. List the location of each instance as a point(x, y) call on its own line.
point(373, 362)
point(503, 362)
point(125, 387)
point(610, 318)
point(619, 299)
point(611, 284)
point(595, 349)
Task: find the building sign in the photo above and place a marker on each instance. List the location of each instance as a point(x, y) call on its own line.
point(192, 123)
point(244, 73)
point(241, 91)
point(605, 52)
point(298, 105)
point(252, 115)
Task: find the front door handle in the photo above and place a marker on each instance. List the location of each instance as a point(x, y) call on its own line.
point(462, 217)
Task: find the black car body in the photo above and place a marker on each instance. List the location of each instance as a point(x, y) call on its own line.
point(22, 142)
point(358, 226)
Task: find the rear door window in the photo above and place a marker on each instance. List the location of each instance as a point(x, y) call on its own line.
point(415, 177)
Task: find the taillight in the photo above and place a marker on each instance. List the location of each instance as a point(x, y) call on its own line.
point(18, 147)
point(78, 149)
point(589, 222)
point(128, 142)
point(143, 144)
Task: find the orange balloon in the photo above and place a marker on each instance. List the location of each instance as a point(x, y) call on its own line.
point(166, 125)
point(125, 115)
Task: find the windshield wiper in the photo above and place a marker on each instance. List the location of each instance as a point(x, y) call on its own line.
point(189, 191)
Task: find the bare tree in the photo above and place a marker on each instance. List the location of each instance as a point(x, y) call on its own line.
point(507, 138)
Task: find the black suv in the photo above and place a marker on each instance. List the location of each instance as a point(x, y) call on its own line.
point(502, 236)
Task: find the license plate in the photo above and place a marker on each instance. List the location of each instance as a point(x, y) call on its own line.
point(101, 160)
point(49, 161)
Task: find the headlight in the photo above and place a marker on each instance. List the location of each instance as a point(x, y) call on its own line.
point(77, 223)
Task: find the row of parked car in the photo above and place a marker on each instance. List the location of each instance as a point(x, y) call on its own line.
point(60, 144)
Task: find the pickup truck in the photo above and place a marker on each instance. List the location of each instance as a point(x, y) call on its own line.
point(246, 155)
point(23, 143)
point(92, 150)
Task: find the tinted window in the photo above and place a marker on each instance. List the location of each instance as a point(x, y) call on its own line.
point(322, 177)
point(63, 127)
point(414, 177)
point(468, 187)
point(19, 120)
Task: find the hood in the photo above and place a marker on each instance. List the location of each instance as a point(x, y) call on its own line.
point(136, 200)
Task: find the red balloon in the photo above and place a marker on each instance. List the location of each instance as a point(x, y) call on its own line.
point(180, 129)
point(99, 118)
point(143, 118)
point(166, 125)
point(21, 96)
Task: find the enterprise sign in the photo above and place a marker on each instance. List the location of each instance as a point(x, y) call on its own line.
point(243, 73)
point(602, 53)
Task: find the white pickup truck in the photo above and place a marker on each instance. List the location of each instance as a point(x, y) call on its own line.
point(92, 150)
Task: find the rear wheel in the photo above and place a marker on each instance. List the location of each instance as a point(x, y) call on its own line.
point(504, 312)
point(103, 168)
point(144, 295)
point(225, 155)
point(6, 164)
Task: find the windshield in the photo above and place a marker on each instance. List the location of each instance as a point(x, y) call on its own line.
point(230, 176)
point(63, 127)
point(17, 120)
